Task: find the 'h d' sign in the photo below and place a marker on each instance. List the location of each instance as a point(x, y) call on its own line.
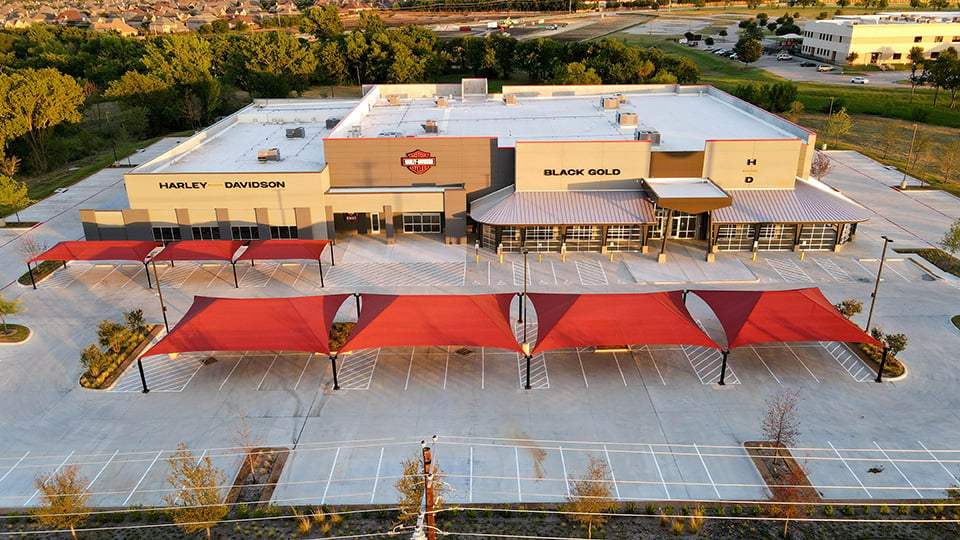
point(418, 161)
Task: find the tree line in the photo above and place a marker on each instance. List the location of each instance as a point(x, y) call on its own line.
point(178, 82)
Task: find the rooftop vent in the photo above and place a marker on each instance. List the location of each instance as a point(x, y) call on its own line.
point(627, 119)
point(611, 103)
point(354, 132)
point(651, 135)
point(393, 99)
point(431, 126)
point(272, 154)
point(510, 99)
point(443, 102)
point(295, 133)
point(622, 98)
point(332, 122)
point(390, 134)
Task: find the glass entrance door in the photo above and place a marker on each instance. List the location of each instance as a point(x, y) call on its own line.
point(684, 225)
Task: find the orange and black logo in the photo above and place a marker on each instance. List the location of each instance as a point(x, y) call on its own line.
point(418, 161)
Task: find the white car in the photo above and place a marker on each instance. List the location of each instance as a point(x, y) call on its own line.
point(784, 56)
point(859, 80)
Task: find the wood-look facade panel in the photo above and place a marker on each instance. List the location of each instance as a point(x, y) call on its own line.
point(676, 164)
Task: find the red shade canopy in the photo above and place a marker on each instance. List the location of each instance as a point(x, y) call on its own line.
point(283, 249)
point(481, 320)
point(577, 320)
point(98, 250)
point(254, 324)
point(200, 250)
point(767, 316)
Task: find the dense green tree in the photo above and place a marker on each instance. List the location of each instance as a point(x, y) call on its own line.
point(406, 67)
point(331, 66)
point(748, 50)
point(538, 57)
point(945, 73)
point(505, 50)
point(371, 22)
point(575, 73)
point(13, 196)
point(275, 64)
point(938, 4)
point(322, 22)
point(779, 96)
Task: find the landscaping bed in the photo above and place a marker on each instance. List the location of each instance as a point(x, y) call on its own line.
point(40, 272)
point(872, 355)
point(258, 476)
point(939, 258)
point(20, 224)
point(120, 362)
point(16, 333)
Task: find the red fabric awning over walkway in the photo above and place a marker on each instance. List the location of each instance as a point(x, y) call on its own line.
point(284, 249)
point(767, 316)
point(481, 320)
point(98, 250)
point(200, 250)
point(565, 321)
point(254, 324)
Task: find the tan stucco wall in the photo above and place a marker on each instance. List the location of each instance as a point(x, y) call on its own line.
point(885, 39)
point(374, 202)
point(594, 164)
point(726, 163)
point(299, 190)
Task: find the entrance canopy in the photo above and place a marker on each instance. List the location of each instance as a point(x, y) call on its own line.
point(98, 250)
point(577, 320)
point(254, 324)
point(284, 249)
point(200, 250)
point(481, 320)
point(690, 195)
point(767, 316)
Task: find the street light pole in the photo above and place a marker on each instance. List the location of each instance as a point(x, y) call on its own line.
point(523, 309)
point(163, 308)
point(876, 286)
point(903, 182)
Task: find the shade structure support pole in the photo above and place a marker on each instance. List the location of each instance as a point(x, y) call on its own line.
point(527, 386)
point(147, 270)
point(143, 378)
point(666, 232)
point(253, 262)
point(520, 309)
point(163, 308)
point(320, 265)
point(333, 362)
point(332, 262)
point(883, 361)
point(64, 263)
point(685, 291)
point(30, 271)
point(357, 296)
point(236, 283)
point(723, 368)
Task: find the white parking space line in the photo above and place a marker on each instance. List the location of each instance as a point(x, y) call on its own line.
point(37, 492)
point(897, 467)
point(483, 370)
point(893, 268)
point(789, 270)
point(845, 464)
point(267, 372)
point(707, 470)
point(304, 370)
point(850, 362)
point(707, 363)
point(154, 462)
point(636, 362)
point(554, 270)
point(260, 275)
point(620, 369)
point(613, 475)
point(356, 370)
point(942, 466)
point(446, 368)
point(376, 477)
point(234, 368)
point(582, 371)
point(135, 278)
point(64, 277)
point(797, 356)
point(470, 489)
point(518, 274)
point(539, 379)
point(566, 475)
point(516, 455)
point(5, 475)
point(333, 467)
point(105, 465)
point(772, 374)
point(216, 275)
point(175, 276)
point(591, 273)
point(163, 374)
point(406, 384)
point(99, 281)
point(831, 267)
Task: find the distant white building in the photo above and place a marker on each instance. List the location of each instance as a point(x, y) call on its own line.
point(884, 38)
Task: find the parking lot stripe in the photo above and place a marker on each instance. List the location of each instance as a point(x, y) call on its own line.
point(893, 268)
point(942, 466)
point(470, 488)
point(99, 281)
point(663, 482)
point(617, 361)
point(376, 478)
point(55, 471)
point(302, 371)
point(446, 368)
point(268, 370)
point(554, 270)
point(199, 461)
point(216, 275)
point(231, 371)
point(613, 476)
point(516, 455)
point(333, 467)
point(795, 355)
point(20, 460)
point(125, 501)
point(655, 366)
point(101, 470)
point(483, 369)
point(566, 478)
point(409, 369)
point(582, 372)
point(897, 467)
point(772, 374)
point(709, 476)
point(849, 469)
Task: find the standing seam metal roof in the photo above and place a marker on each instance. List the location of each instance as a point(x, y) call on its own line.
point(556, 207)
point(805, 203)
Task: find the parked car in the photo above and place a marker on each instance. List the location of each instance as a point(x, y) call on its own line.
point(807, 63)
point(720, 52)
point(784, 56)
point(823, 67)
point(859, 80)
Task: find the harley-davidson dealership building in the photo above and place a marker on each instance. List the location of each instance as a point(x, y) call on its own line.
point(581, 168)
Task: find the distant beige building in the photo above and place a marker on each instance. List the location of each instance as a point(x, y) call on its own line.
point(113, 24)
point(884, 38)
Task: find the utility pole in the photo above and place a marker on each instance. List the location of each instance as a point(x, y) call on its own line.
point(428, 494)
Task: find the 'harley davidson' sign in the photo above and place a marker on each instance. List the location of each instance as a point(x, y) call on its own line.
point(418, 161)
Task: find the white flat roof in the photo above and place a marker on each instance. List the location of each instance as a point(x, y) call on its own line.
point(685, 121)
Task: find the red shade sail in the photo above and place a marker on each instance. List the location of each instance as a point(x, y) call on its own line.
point(200, 250)
point(98, 250)
point(481, 320)
point(254, 324)
point(566, 321)
point(766, 316)
point(283, 249)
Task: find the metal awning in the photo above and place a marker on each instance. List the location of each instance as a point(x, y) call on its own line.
point(690, 195)
point(509, 207)
point(806, 203)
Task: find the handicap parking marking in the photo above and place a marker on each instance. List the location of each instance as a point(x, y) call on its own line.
point(788, 270)
point(833, 269)
point(64, 277)
point(355, 371)
point(707, 363)
point(163, 374)
point(591, 273)
point(259, 275)
point(848, 360)
point(175, 276)
point(411, 274)
point(539, 378)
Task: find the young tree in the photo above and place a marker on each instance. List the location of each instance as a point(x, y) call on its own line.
point(820, 166)
point(780, 423)
point(889, 136)
point(135, 322)
point(7, 308)
point(410, 487)
point(591, 496)
point(839, 125)
point(248, 441)
point(30, 247)
point(793, 113)
point(951, 239)
point(948, 159)
point(113, 336)
point(748, 50)
point(13, 195)
point(916, 62)
point(795, 492)
point(63, 499)
point(94, 360)
point(196, 502)
point(850, 307)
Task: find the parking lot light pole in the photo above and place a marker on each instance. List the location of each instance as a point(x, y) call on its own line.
point(876, 286)
point(523, 296)
point(163, 308)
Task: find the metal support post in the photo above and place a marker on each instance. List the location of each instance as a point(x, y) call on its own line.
point(883, 362)
point(332, 262)
point(357, 296)
point(235, 282)
point(723, 368)
point(320, 264)
point(430, 524)
point(30, 271)
point(147, 270)
point(333, 362)
point(163, 308)
point(143, 378)
point(527, 386)
point(876, 286)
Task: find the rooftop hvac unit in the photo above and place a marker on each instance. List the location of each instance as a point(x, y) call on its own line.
point(390, 134)
point(611, 103)
point(272, 154)
point(295, 133)
point(443, 102)
point(622, 98)
point(431, 126)
point(510, 99)
point(651, 135)
point(354, 132)
point(332, 122)
point(393, 100)
point(627, 119)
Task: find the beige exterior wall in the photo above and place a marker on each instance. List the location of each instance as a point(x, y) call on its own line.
point(373, 203)
point(752, 164)
point(833, 42)
point(588, 165)
point(203, 191)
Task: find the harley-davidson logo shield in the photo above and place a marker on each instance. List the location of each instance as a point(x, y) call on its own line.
point(418, 161)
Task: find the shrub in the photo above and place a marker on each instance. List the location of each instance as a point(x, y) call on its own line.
point(631, 507)
point(737, 510)
point(756, 510)
point(883, 510)
point(903, 510)
point(828, 510)
point(651, 509)
point(94, 360)
point(847, 510)
point(697, 520)
point(677, 527)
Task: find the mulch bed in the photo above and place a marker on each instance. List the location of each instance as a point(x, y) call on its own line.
point(254, 485)
point(122, 366)
point(780, 469)
point(16, 333)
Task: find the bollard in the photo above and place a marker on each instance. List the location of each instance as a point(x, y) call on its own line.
point(476, 248)
point(611, 251)
point(563, 252)
point(539, 252)
point(500, 252)
point(756, 246)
